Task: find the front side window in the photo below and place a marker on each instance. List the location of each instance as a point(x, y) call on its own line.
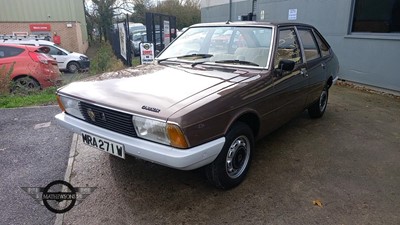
point(376, 16)
point(288, 47)
point(245, 45)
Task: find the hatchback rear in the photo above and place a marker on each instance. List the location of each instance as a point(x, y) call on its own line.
point(29, 67)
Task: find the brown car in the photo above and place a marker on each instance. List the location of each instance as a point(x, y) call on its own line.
point(205, 102)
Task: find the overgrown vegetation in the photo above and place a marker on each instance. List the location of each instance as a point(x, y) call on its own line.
point(105, 60)
point(5, 81)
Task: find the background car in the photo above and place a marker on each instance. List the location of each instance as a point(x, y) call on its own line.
point(30, 67)
point(136, 38)
point(66, 60)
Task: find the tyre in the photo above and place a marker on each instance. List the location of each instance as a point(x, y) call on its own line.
point(317, 109)
point(25, 85)
point(230, 167)
point(73, 67)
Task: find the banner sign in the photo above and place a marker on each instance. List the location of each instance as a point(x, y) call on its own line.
point(40, 27)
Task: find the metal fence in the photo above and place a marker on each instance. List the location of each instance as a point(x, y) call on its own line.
point(120, 41)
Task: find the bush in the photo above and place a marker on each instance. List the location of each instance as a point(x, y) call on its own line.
point(5, 82)
point(105, 60)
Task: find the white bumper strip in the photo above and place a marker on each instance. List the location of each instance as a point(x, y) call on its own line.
point(187, 159)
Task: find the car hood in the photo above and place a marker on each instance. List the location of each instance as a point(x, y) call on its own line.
point(156, 91)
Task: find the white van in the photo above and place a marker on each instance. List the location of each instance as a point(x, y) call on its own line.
point(66, 60)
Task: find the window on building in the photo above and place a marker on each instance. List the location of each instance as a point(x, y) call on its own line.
point(376, 16)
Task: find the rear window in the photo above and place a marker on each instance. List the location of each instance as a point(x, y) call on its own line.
point(7, 51)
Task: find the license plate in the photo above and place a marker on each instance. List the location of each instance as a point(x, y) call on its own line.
point(103, 144)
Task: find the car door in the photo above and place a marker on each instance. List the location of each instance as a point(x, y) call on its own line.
point(289, 86)
point(316, 66)
point(59, 55)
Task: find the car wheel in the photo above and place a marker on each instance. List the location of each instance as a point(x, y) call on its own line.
point(25, 85)
point(73, 67)
point(317, 109)
point(231, 165)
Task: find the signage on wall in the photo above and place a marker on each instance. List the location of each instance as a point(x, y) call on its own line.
point(40, 27)
point(292, 15)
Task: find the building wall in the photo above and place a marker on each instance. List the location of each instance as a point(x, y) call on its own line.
point(366, 58)
point(57, 12)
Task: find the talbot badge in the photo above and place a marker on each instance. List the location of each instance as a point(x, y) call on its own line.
point(91, 115)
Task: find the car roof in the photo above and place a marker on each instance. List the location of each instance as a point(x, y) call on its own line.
point(251, 23)
point(30, 41)
point(28, 47)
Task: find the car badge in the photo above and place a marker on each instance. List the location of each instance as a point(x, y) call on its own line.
point(91, 115)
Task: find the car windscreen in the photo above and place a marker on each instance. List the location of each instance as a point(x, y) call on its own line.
point(225, 44)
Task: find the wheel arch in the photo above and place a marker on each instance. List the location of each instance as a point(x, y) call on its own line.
point(329, 82)
point(249, 118)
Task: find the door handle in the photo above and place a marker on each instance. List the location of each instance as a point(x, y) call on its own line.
point(303, 72)
point(323, 65)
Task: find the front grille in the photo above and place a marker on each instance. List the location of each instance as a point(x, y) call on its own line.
point(108, 119)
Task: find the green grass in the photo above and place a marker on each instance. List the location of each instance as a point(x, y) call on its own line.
point(43, 97)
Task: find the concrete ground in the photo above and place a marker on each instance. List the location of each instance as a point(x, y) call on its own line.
point(349, 161)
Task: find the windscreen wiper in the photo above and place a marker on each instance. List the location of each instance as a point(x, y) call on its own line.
point(202, 56)
point(236, 61)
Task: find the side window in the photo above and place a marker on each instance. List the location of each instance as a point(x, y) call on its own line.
point(322, 46)
point(288, 47)
point(53, 50)
point(309, 44)
point(6, 51)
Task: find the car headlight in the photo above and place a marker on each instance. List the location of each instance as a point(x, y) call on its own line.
point(70, 106)
point(84, 58)
point(161, 132)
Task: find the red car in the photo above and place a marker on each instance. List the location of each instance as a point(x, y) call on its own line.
point(30, 66)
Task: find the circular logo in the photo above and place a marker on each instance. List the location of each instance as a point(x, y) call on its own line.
point(91, 114)
point(56, 200)
point(146, 46)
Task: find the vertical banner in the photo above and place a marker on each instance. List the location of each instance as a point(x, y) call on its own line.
point(167, 35)
point(122, 39)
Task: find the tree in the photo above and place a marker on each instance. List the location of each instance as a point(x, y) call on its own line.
point(103, 10)
point(187, 12)
point(140, 8)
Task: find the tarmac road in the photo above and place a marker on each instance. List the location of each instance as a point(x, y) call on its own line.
point(348, 161)
point(33, 152)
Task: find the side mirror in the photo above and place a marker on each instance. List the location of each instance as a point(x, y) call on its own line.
point(286, 65)
point(59, 53)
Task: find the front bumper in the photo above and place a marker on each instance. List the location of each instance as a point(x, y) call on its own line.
point(187, 159)
point(84, 64)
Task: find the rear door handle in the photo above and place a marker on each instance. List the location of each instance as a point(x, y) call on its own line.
point(303, 71)
point(323, 65)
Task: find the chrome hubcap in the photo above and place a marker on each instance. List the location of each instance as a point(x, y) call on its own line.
point(238, 157)
point(323, 100)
